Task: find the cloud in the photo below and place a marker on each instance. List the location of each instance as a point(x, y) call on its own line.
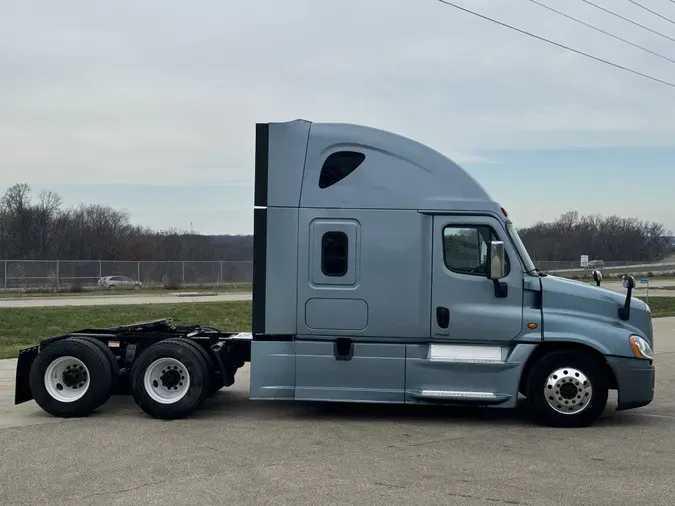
point(167, 93)
point(469, 159)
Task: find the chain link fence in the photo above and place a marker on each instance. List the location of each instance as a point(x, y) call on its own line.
point(64, 274)
point(610, 268)
point(55, 274)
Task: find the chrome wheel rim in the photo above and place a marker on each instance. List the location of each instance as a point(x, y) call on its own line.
point(568, 391)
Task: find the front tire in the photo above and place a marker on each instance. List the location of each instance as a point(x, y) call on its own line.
point(566, 389)
point(71, 378)
point(170, 380)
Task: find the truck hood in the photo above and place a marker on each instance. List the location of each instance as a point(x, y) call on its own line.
point(573, 303)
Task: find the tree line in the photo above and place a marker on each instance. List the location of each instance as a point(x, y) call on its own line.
point(43, 229)
point(603, 238)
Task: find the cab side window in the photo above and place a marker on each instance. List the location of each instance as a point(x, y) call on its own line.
point(465, 248)
point(334, 254)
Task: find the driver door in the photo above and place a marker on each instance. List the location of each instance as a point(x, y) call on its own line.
point(464, 305)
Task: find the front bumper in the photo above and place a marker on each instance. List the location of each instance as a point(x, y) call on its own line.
point(635, 381)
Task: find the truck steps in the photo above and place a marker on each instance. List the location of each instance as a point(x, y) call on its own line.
point(461, 396)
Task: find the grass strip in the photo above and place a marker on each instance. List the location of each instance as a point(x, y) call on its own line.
point(24, 327)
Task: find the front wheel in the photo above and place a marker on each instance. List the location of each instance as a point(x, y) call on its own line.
point(566, 389)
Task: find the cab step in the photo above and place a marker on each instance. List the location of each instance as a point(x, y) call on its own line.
point(461, 396)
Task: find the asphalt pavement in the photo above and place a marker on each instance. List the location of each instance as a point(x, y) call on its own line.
point(236, 451)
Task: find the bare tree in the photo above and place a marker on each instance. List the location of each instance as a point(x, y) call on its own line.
point(612, 238)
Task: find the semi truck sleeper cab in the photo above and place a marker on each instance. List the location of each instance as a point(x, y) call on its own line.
point(382, 273)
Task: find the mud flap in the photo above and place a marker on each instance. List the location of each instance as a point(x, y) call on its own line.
point(22, 391)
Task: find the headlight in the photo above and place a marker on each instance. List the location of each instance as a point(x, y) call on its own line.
point(640, 347)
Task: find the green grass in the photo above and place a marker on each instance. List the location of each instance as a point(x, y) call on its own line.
point(661, 306)
point(23, 327)
point(160, 290)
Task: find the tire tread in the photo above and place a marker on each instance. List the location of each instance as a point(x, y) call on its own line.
point(112, 359)
point(216, 380)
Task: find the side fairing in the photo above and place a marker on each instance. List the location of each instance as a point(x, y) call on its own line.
point(279, 166)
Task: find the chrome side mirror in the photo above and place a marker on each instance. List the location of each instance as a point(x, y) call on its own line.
point(597, 276)
point(497, 259)
point(628, 282)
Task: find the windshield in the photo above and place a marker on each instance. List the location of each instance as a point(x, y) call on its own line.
point(520, 247)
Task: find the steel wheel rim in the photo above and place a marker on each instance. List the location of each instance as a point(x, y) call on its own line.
point(67, 379)
point(568, 391)
point(166, 380)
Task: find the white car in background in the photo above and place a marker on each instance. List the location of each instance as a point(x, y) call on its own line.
point(113, 282)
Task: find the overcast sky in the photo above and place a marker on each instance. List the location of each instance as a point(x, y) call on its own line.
point(151, 105)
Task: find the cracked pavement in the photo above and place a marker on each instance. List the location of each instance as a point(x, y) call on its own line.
point(238, 451)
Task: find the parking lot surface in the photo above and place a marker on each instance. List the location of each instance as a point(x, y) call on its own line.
point(236, 451)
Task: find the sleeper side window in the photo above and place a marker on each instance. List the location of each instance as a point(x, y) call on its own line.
point(338, 166)
point(465, 248)
point(334, 254)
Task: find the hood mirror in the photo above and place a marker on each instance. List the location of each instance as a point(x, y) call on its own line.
point(597, 276)
point(628, 283)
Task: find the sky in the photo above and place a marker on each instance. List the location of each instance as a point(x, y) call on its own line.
point(151, 106)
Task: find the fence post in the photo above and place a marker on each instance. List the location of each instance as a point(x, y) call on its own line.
point(138, 270)
point(100, 269)
point(58, 274)
point(5, 274)
point(221, 273)
point(183, 271)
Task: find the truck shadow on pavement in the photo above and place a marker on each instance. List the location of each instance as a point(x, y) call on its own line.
point(224, 403)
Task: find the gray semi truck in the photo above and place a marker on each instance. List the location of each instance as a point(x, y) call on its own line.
point(382, 273)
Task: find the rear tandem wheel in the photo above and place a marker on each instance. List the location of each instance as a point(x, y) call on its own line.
point(216, 379)
point(170, 379)
point(71, 378)
point(112, 359)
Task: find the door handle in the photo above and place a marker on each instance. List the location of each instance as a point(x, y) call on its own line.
point(443, 317)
